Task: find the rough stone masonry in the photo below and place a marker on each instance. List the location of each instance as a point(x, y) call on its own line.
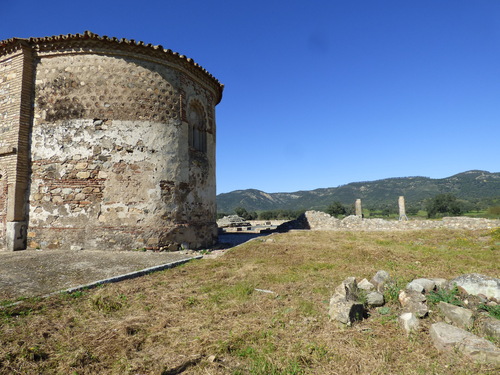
point(105, 143)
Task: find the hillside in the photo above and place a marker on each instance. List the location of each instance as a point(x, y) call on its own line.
point(471, 185)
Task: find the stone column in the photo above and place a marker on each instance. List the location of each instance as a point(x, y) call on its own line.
point(359, 211)
point(402, 210)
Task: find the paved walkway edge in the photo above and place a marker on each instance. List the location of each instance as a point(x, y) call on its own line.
point(115, 279)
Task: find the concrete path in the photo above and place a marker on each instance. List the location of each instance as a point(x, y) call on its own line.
point(31, 273)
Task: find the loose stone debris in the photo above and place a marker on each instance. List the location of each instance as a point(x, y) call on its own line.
point(351, 302)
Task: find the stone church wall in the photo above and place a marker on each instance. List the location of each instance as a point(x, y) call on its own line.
point(112, 159)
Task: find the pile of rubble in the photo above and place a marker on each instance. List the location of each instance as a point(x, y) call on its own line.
point(352, 301)
point(231, 221)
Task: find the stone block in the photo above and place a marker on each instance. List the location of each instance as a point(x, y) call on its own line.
point(489, 327)
point(413, 302)
point(83, 175)
point(380, 278)
point(457, 315)
point(449, 338)
point(415, 287)
point(427, 284)
point(346, 312)
point(409, 322)
point(475, 284)
point(375, 299)
point(16, 235)
point(365, 285)
point(440, 282)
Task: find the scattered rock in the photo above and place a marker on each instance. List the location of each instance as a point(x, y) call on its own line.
point(475, 284)
point(457, 315)
point(415, 287)
point(449, 338)
point(489, 327)
point(440, 282)
point(413, 302)
point(348, 289)
point(366, 285)
point(409, 322)
point(375, 299)
point(380, 278)
point(427, 284)
point(345, 312)
point(345, 306)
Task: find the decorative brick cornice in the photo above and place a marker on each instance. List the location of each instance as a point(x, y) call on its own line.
point(89, 42)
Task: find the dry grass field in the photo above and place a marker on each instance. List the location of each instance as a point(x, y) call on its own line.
point(216, 316)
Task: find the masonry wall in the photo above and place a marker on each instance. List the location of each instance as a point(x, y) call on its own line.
point(111, 162)
point(15, 120)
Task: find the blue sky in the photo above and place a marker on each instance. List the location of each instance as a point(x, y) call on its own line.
point(320, 93)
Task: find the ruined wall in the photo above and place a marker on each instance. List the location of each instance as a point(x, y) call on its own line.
point(111, 164)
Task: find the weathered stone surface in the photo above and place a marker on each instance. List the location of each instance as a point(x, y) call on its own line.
point(489, 327)
point(380, 278)
point(427, 284)
point(413, 302)
point(457, 315)
point(375, 299)
point(316, 220)
point(344, 304)
point(449, 338)
point(409, 322)
point(366, 285)
point(415, 287)
point(348, 289)
point(115, 144)
point(440, 282)
point(345, 312)
point(475, 284)
point(232, 221)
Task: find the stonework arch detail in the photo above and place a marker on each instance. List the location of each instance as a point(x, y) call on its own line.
point(197, 123)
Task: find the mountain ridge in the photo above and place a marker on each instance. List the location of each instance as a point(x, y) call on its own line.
point(472, 185)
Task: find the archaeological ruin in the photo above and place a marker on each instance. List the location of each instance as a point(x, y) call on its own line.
point(105, 143)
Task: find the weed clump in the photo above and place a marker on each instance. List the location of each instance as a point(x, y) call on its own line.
point(450, 296)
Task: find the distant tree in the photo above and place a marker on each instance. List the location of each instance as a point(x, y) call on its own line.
point(280, 214)
point(220, 215)
point(444, 204)
point(336, 209)
point(243, 213)
point(266, 215)
point(412, 210)
point(240, 211)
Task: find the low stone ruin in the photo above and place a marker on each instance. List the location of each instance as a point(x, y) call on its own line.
point(231, 221)
point(353, 301)
point(316, 220)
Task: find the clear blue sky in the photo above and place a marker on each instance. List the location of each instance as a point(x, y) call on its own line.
point(320, 93)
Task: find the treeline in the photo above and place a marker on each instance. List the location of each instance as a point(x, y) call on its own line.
point(264, 215)
point(438, 206)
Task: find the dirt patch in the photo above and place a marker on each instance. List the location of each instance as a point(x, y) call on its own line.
point(32, 273)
